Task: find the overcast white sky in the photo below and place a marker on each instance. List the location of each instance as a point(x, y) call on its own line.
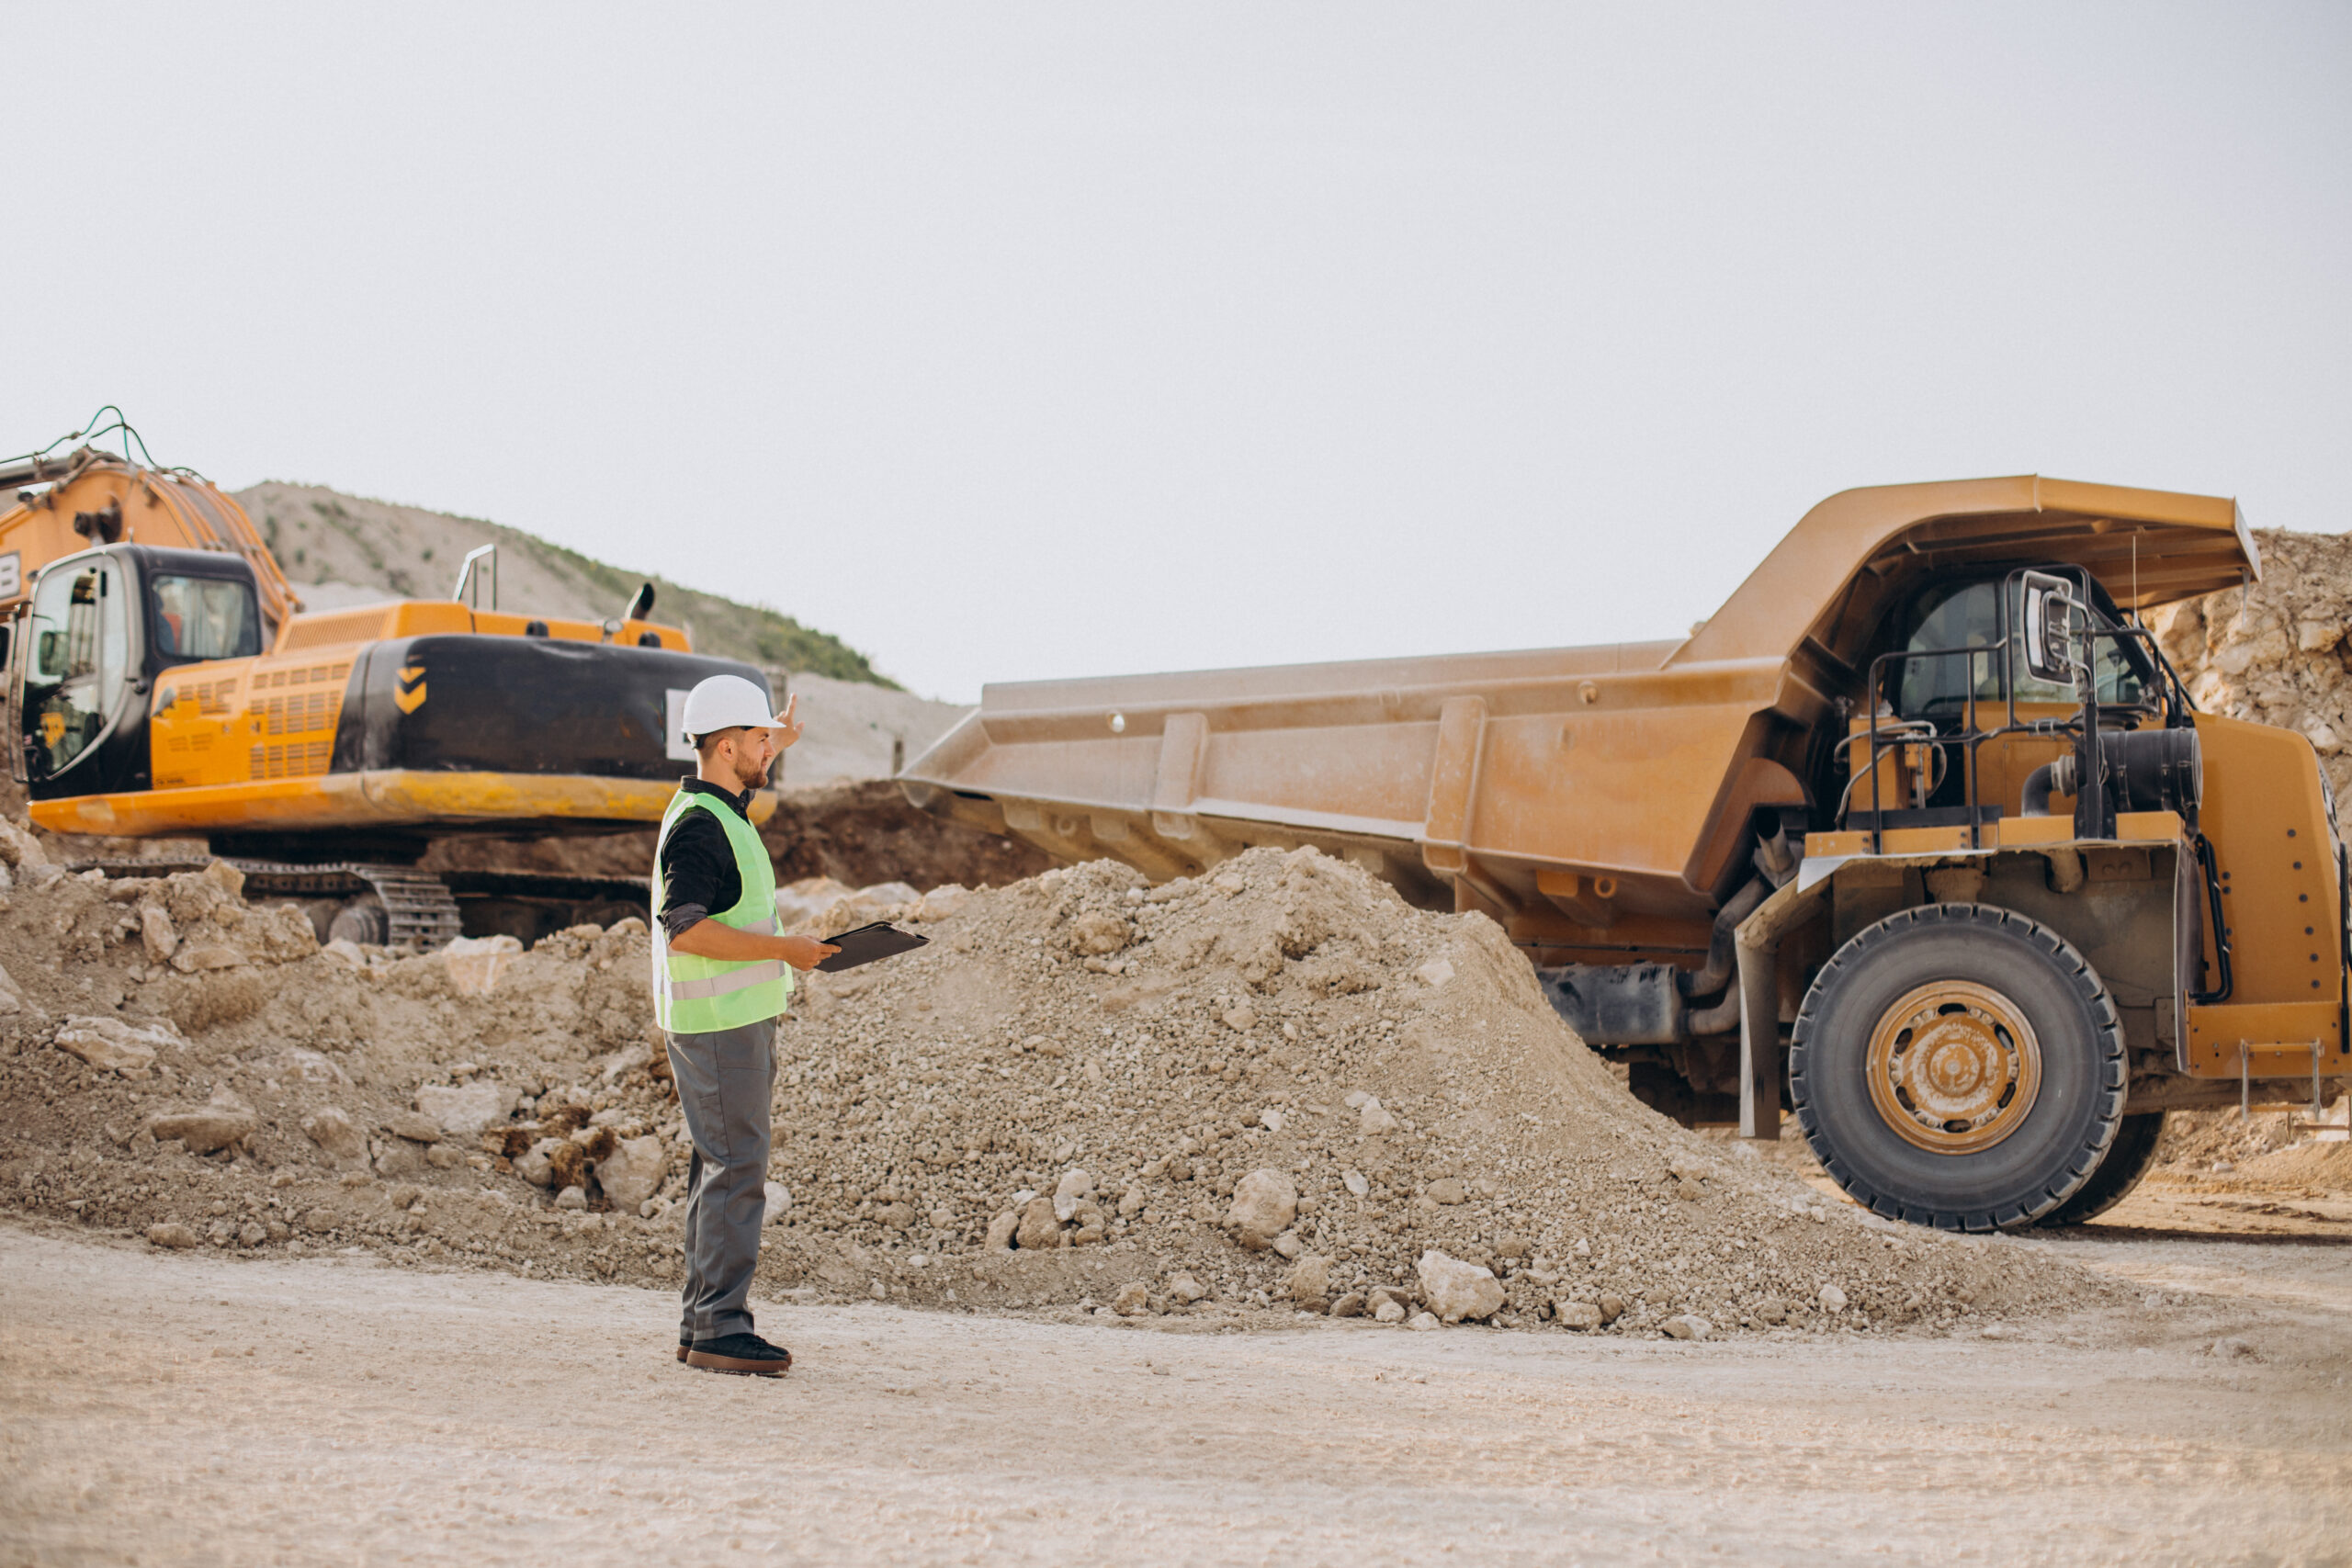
point(1009, 341)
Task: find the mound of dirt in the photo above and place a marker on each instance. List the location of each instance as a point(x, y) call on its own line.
point(1275, 1089)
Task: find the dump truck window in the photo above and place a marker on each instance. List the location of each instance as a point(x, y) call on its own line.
point(80, 646)
point(205, 617)
point(1968, 615)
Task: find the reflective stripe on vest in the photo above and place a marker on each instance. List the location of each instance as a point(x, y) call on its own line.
point(693, 995)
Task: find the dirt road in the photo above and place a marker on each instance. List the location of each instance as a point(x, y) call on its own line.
point(198, 1408)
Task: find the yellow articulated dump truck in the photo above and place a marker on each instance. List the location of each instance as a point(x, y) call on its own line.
point(1918, 836)
point(164, 681)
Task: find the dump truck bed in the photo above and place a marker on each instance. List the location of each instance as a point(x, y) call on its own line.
point(1618, 785)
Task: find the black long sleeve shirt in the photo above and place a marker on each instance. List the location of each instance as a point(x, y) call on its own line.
point(699, 874)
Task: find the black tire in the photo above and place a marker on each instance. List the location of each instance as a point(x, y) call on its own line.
point(2129, 1158)
point(2051, 1145)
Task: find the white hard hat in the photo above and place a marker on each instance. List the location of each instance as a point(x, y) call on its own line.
point(726, 702)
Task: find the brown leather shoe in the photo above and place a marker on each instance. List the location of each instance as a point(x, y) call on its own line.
point(745, 1355)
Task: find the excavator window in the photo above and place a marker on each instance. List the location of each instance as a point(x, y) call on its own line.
point(80, 638)
point(204, 617)
point(1967, 615)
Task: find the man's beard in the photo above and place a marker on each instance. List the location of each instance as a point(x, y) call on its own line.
point(750, 781)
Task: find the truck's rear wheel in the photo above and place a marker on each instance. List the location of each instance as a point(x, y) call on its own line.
point(2129, 1158)
point(1959, 1066)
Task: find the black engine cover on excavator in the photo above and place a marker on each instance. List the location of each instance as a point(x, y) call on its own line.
point(521, 704)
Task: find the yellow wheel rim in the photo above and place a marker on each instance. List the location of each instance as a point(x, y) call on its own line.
point(1954, 1068)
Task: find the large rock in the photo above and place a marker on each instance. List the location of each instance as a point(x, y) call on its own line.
point(537, 1164)
point(1373, 1119)
point(465, 1110)
point(633, 1171)
point(212, 1126)
point(113, 1045)
point(1264, 1204)
point(335, 1133)
point(170, 1233)
point(1455, 1290)
point(415, 1126)
point(474, 963)
point(1075, 1187)
point(1039, 1229)
point(1310, 1281)
point(1097, 934)
point(156, 933)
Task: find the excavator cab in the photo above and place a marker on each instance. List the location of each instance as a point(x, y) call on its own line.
point(99, 627)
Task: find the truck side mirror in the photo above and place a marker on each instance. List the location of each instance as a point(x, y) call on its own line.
point(2048, 629)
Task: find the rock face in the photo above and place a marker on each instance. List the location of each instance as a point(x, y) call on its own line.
point(1455, 1290)
point(633, 1171)
point(1264, 1204)
point(210, 1127)
point(335, 1133)
point(112, 1045)
point(463, 1111)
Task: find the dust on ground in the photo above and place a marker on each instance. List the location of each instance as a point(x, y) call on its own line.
point(216, 1408)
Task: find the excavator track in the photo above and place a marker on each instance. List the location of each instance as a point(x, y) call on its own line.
point(419, 909)
point(422, 907)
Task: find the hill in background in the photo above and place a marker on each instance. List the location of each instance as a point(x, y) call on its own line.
point(340, 551)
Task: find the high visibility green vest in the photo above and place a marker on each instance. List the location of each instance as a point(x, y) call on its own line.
point(701, 996)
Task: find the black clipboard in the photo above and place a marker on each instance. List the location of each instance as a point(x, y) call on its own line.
point(864, 945)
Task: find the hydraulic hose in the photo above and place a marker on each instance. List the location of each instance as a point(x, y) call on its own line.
point(1717, 974)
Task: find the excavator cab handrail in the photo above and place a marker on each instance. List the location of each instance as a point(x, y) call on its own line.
point(469, 577)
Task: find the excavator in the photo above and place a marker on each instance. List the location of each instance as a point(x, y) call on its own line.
point(164, 681)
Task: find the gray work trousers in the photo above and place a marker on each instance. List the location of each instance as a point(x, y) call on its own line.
point(725, 1083)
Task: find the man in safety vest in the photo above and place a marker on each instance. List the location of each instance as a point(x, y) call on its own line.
point(721, 978)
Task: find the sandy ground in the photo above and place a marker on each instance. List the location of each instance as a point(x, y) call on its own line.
point(199, 1408)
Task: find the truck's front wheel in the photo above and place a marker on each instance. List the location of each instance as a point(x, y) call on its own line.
point(1959, 1066)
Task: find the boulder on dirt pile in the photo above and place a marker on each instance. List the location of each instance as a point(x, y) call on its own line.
point(1264, 1204)
point(463, 1111)
point(334, 1131)
point(1456, 1290)
point(173, 1235)
point(474, 963)
point(1039, 1229)
point(633, 1171)
point(113, 1045)
point(210, 1127)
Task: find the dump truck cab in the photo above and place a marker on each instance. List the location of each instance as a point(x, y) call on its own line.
point(1917, 837)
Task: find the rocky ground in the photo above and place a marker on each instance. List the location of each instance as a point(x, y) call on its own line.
point(1272, 1092)
point(221, 1407)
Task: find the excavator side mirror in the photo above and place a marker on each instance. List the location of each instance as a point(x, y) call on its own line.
point(2048, 629)
point(640, 606)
